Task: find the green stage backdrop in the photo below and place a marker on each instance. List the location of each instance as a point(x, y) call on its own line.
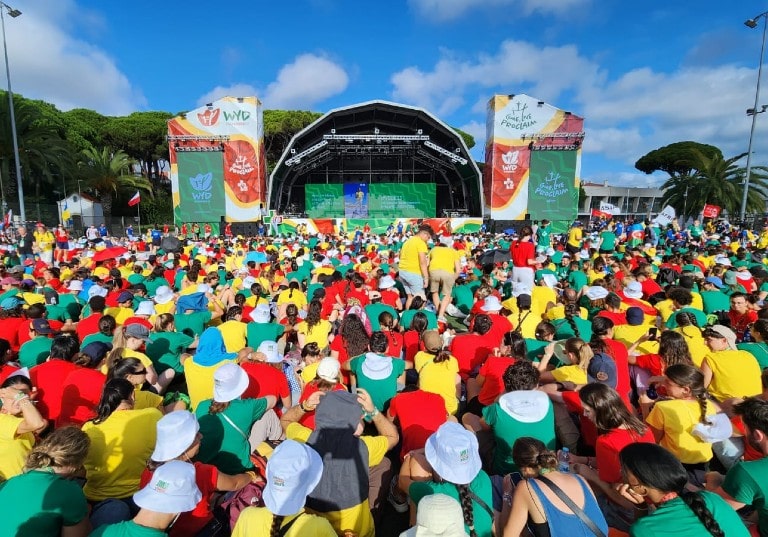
point(552, 191)
point(389, 200)
point(201, 187)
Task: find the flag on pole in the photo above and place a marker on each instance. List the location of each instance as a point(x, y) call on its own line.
point(609, 208)
point(65, 214)
point(711, 211)
point(8, 218)
point(135, 200)
point(600, 214)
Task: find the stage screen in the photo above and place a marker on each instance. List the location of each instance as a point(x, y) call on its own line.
point(552, 190)
point(360, 200)
point(201, 187)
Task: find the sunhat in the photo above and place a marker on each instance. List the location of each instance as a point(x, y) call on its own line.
point(145, 308)
point(269, 349)
point(491, 303)
point(438, 515)
point(596, 292)
point(261, 314)
point(386, 282)
point(229, 382)
point(171, 490)
point(633, 290)
point(163, 294)
point(328, 369)
point(453, 453)
point(176, 432)
point(293, 471)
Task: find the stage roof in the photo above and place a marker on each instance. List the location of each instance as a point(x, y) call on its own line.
point(378, 142)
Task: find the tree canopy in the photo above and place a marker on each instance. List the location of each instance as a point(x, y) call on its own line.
point(675, 159)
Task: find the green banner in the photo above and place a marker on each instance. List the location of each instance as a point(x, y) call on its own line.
point(324, 201)
point(201, 186)
point(552, 191)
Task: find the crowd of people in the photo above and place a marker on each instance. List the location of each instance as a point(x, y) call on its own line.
point(603, 382)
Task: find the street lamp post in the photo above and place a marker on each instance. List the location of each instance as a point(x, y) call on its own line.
point(752, 23)
point(80, 200)
point(13, 13)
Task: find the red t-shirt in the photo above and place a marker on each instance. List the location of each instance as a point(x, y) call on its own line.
point(521, 252)
point(396, 343)
point(191, 523)
point(618, 317)
point(80, 395)
point(9, 330)
point(357, 296)
point(500, 325)
point(390, 297)
point(618, 352)
point(493, 370)
point(6, 370)
point(607, 450)
point(47, 378)
point(470, 350)
point(308, 419)
point(650, 288)
point(412, 342)
point(138, 320)
point(587, 427)
point(265, 380)
point(740, 322)
point(419, 414)
point(650, 362)
point(88, 326)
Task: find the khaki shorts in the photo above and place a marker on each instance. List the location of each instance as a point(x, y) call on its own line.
point(441, 280)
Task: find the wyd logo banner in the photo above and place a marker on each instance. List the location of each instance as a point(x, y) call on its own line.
point(201, 194)
point(209, 117)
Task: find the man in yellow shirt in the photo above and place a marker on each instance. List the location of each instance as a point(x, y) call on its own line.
point(729, 372)
point(575, 235)
point(44, 240)
point(414, 266)
point(444, 266)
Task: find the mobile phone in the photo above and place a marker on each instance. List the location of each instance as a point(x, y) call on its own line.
point(652, 333)
point(516, 477)
point(651, 392)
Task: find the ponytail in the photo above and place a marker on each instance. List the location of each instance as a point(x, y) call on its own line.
point(274, 529)
point(699, 508)
point(571, 310)
point(114, 393)
point(465, 499)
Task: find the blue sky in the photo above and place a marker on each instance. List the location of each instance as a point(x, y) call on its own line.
point(642, 74)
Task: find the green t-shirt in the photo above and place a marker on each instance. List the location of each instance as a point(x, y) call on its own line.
point(374, 310)
point(758, 350)
point(481, 486)
point(98, 336)
point(542, 237)
point(153, 284)
point(380, 390)
point(134, 278)
point(223, 445)
point(72, 304)
point(35, 351)
point(194, 321)
point(577, 279)
point(258, 332)
point(715, 301)
point(535, 349)
point(564, 330)
point(126, 529)
point(463, 297)
point(701, 317)
point(675, 518)
point(747, 483)
point(40, 503)
point(56, 312)
point(608, 239)
point(165, 349)
point(407, 317)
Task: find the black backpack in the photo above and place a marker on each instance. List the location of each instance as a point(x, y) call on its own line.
point(666, 276)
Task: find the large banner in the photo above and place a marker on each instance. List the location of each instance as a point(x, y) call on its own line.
point(234, 127)
point(552, 189)
point(201, 187)
point(515, 125)
point(363, 201)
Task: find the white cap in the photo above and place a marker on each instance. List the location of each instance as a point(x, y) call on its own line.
point(96, 290)
point(596, 292)
point(146, 307)
point(248, 281)
point(438, 515)
point(229, 382)
point(454, 454)
point(491, 303)
point(634, 289)
point(386, 282)
point(261, 314)
point(176, 432)
point(75, 285)
point(163, 294)
point(328, 369)
point(269, 349)
point(171, 490)
point(293, 471)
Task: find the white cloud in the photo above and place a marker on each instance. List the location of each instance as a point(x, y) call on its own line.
point(448, 10)
point(235, 90)
point(308, 80)
point(48, 63)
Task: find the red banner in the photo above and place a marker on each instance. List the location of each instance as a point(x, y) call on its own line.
point(600, 214)
point(711, 211)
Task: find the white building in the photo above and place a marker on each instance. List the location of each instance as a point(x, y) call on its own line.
point(631, 201)
point(83, 209)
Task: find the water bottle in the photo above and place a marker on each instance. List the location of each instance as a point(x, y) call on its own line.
point(564, 460)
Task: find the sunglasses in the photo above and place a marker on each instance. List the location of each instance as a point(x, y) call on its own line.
point(140, 372)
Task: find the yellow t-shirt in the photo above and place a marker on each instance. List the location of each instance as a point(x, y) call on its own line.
point(439, 378)
point(120, 314)
point(120, 448)
point(13, 449)
point(734, 374)
point(258, 521)
point(443, 258)
point(696, 344)
point(665, 309)
point(677, 417)
point(128, 353)
point(200, 380)
point(570, 373)
point(309, 373)
point(574, 237)
point(318, 334)
point(541, 295)
point(409, 255)
point(143, 399)
point(377, 445)
point(101, 272)
point(292, 296)
point(44, 240)
point(164, 308)
point(33, 298)
point(558, 312)
point(628, 334)
point(529, 321)
point(253, 301)
point(233, 333)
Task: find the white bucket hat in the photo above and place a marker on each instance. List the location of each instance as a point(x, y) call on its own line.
point(269, 349)
point(229, 382)
point(454, 454)
point(597, 292)
point(176, 432)
point(491, 303)
point(261, 314)
point(145, 308)
point(171, 490)
point(550, 280)
point(96, 290)
point(163, 294)
point(386, 282)
point(75, 285)
point(293, 471)
point(248, 281)
point(633, 290)
point(328, 369)
point(438, 515)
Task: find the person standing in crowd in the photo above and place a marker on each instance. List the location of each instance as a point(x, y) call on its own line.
point(523, 253)
point(444, 267)
point(414, 264)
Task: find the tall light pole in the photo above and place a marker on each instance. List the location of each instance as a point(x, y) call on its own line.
point(752, 23)
point(13, 13)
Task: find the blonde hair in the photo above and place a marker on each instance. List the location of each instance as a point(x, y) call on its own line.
point(64, 447)
point(581, 349)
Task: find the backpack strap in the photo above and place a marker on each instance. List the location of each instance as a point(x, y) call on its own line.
point(578, 511)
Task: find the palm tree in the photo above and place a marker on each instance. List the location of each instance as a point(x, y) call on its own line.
point(105, 173)
point(717, 181)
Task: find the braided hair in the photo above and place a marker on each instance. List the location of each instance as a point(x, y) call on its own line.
point(655, 467)
point(688, 376)
point(274, 529)
point(572, 309)
point(466, 508)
